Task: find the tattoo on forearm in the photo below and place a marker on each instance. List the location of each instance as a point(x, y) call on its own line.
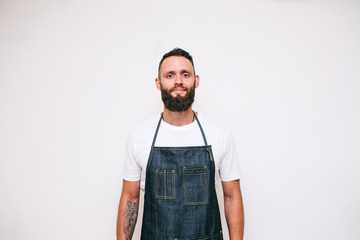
point(131, 214)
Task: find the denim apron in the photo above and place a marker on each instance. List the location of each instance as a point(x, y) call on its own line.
point(180, 201)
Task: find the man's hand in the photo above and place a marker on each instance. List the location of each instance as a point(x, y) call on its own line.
point(234, 211)
point(128, 210)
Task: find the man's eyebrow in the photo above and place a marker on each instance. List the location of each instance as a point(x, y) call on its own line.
point(181, 71)
point(185, 70)
point(172, 72)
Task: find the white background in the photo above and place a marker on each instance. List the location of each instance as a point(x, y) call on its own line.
point(76, 75)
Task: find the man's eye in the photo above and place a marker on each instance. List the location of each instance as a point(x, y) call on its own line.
point(186, 75)
point(169, 76)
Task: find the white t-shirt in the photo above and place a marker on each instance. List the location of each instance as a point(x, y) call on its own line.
point(139, 145)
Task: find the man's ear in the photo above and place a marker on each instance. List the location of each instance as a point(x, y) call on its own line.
point(157, 82)
point(197, 81)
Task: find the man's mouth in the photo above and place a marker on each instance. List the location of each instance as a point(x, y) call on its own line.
point(178, 89)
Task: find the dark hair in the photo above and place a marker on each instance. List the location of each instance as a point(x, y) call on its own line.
point(176, 52)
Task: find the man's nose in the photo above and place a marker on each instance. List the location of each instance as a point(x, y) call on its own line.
point(178, 79)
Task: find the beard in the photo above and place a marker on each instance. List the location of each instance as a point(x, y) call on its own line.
point(178, 103)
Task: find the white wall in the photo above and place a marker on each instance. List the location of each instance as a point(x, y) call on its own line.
point(76, 75)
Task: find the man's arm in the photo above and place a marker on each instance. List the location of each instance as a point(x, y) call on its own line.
point(234, 211)
point(128, 210)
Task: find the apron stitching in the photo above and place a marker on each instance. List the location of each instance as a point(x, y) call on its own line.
point(157, 183)
point(207, 237)
point(165, 183)
point(173, 182)
point(182, 148)
point(210, 236)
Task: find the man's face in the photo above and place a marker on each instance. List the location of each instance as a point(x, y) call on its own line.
point(177, 82)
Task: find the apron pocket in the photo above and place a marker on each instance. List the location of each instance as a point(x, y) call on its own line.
point(165, 184)
point(195, 183)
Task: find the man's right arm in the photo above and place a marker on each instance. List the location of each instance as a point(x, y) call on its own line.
point(128, 210)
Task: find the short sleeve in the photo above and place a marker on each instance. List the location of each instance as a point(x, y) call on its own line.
point(229, 163)
point(131, 170)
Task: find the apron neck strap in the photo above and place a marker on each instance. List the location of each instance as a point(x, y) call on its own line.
point(158, 126)
point(201, 129)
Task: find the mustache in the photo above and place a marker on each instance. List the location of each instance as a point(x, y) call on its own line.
point(178, 86)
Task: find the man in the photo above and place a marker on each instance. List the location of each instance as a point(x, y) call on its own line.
point(176, 159)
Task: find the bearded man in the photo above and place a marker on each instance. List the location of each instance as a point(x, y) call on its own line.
point(176, 158)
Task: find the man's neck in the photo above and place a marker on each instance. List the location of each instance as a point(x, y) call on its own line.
point(178, 118)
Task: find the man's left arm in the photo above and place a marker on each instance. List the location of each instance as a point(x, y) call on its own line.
point(234, 211)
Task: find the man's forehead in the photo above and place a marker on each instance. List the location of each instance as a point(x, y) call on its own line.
point(175, 62)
